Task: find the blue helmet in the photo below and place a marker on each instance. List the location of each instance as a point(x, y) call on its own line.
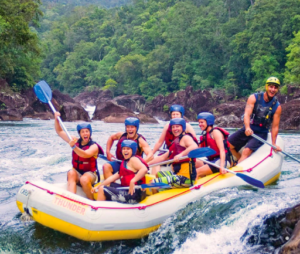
point(177, 108)
point(178, 121)
point(131, 144)
point(210, 119)
point(133, 121)
point(84, 126)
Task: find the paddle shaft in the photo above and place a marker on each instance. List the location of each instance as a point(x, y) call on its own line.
point(59, 119)
point(274, 147)
point(167, 162)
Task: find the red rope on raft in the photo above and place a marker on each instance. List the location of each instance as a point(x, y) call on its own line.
point(196, 187)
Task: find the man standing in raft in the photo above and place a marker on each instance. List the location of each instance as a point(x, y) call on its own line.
point(216, 139)
point(176, 111)
point(262, 110)
point(132, 126)
point(84, 157)
point(132, 171)
point(182, 144)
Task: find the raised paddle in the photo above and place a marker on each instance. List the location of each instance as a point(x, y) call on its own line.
point(44, 94)
point(246, 178)
point(274, 147)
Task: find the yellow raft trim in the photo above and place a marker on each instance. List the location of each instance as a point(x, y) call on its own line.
point(84, 234)
point(273, 179)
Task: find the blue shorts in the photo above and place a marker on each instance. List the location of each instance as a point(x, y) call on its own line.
point(115, 166)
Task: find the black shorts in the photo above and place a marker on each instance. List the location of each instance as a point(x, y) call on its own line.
point(122, 196)
point(239, 139)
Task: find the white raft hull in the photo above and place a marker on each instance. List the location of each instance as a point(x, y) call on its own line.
point(53, 206)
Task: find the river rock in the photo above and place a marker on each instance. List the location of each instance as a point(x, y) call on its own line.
point(105, 109)
point(290, 115)
point(73, 112)
point(93, 98)
point(10, 115)
point(229, 121)
point(293, 245)
point(133, 102)
point(276, 230)
point(62, 98)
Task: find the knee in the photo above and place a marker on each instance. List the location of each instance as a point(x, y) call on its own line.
point(107, 168)
point(247, 151)
point(231, 147)
point(84, 180)
point(72, 175)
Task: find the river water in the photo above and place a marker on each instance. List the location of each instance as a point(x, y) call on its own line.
point(31, 150)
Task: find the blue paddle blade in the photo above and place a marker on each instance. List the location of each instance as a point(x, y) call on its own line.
point(251, 180)
point(155, 185)
point(201, 152)
point(101, 156)
point(43, 91)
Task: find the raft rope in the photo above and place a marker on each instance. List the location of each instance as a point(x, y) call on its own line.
point(195, 187)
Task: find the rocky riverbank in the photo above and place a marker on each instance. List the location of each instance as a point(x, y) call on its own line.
point(227, 109)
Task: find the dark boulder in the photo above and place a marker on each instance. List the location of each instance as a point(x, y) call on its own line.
point(73, 112)
point(293, 245)
point(290, 115)
point(105, 109)
point(10, 115)
point(133, 102)
point(93, 98)
point(62, 98)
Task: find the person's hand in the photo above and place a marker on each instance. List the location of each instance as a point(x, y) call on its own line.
point(110, 156)
point(223, 170)
point(73, 141)
point(131, 188)
point(56, 115)
point(278, 148)
point(94, 190)
point(177, 157)
point(248, 131)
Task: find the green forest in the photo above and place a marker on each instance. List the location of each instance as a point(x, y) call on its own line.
point(150, 47)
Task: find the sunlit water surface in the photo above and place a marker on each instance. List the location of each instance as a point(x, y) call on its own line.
point(31, 150)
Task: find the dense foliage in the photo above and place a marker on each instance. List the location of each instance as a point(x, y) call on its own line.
point(160, 46)
point(19, 45)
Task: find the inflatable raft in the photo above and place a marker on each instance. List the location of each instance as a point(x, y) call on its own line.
point(53, 206)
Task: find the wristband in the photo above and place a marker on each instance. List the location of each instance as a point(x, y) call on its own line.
point(73, 147)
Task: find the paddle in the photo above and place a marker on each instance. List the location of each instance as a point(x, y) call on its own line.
point(196, 153)
point(246, 178)
point(147, 186)
point(44, 94)
point(274, 147)
point(103, 157)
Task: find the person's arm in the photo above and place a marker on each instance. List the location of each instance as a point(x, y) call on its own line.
point(161, 139)
point(110, 142)
point(58, 128)
point(160, 158)
point(275, 127)
point(190, 145)
point(218, 137)
point(146, 149)
point(190, 129)
point(141, 170)
point(109, 180)
point(248, 112)
point(92, 151)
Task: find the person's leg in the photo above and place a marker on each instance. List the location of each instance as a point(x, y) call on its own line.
point(236, 154)
point(101, 196)
point(73, 179)
point(203, 171)
point(245, 154)
point(236, 141)
point(86, 182)
point(107, 170)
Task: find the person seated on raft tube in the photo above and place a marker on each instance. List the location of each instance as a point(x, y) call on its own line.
point(176, 111)
point(182, 175)
point(132, 171)
point(216, 139)
point(131, 126)
point(84, 157)
point(262, 110)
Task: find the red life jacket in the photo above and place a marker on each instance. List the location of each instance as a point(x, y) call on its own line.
point(208, 141)
point(119, 154)
point(170, 137)
point(83, 165)
point(127, 175)
point(175, 148)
